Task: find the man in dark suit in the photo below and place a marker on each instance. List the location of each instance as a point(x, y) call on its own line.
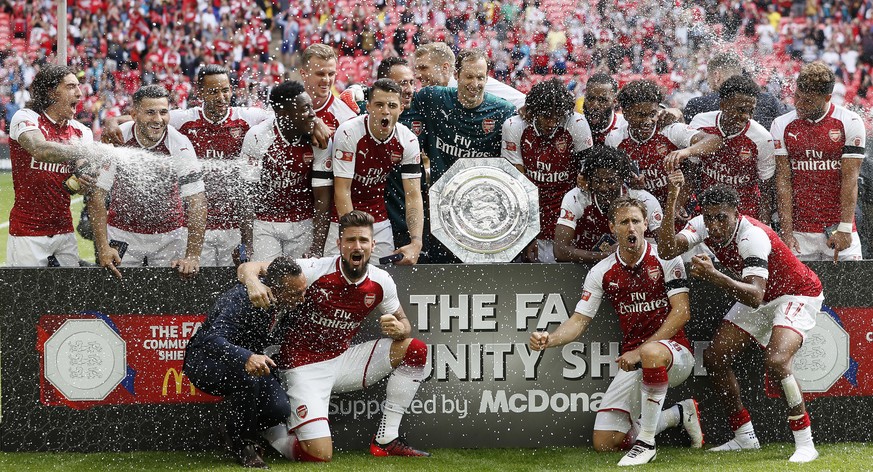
point(719, 69)
point(225, 357)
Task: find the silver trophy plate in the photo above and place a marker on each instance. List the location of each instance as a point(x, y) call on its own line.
point(484, 210)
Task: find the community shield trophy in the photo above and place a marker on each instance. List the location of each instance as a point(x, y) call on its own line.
point(484, 210)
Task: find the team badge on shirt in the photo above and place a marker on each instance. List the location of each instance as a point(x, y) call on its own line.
point(510, 145)
point(777, 143)
point(662, 149)
point(561, 145)
point(302, 411)
point(369, 299)
point(416, 127)
point(835, 135)
point(653, 273)
point(488, 125)
point(396, 157)
point(236, 133)
point(308, 157)
point(745, 153)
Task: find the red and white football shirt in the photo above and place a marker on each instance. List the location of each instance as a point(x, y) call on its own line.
point(218, 146)
point(284, 173)
point(755, 249)
point(326, 322)
point(616, 122)
point(581, 211)
point(746, 159)
point(42, 206)
point(815, 150)
point(639, 293)
point(550, 162)
point(334, 112)
point(146, 194)
point(649, 153)
point(359, 156)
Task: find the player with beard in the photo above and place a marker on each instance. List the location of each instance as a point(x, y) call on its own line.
point(288, 180)
point(819, 151)
point(599, 106)
point(582, 231)
point(317, 358)
point(146, 209)
point(650, 295)
point(778, 299)
point(365, 150)
point(40, 223)
point(545, 144)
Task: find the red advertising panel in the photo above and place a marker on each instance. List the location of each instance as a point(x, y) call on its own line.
point(91, 359)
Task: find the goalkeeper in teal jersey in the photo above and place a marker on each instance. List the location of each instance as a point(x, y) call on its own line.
point(458, 123)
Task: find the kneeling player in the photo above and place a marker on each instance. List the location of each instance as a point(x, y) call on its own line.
point(778, 298)
point(317, 358)
point(650, 295)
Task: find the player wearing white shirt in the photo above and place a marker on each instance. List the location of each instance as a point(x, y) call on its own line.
point(146, 210)
point(366, 149)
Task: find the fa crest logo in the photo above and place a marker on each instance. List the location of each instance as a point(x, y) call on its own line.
point(835, 135)
point(369, 299)
point(488, 125)
point(653, 273)
point(417, 127)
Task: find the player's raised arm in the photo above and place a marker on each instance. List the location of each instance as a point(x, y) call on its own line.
point(670, 244)
point(249, 275)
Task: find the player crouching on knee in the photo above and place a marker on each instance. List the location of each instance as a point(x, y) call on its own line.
point(650, 294)
point(317, 358)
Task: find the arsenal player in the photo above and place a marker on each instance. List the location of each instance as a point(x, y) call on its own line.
point(366, 150)
point(745, 162)
point(288, 180)
point(650, 296)
point(146, 209)
point(599, 107)
point(582, 231)
point(40, 224)
point(317, 357)
point(778, 298)
point(545, 145)
point(646, 144)
point(318, 70)
point(819, 149)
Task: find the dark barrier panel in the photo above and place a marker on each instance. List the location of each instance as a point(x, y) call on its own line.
point(486, 389)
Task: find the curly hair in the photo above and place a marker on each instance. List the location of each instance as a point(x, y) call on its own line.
point(639, 91)
point(285, 94)
point(549, 98)
point(816, 78)
point(719, 195)
point(738, 85)
point(44, 83)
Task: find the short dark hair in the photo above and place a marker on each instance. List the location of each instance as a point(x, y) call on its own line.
point(719, 194)
point(211, 69)
point(816, 78)
point(44, 83)
point(738, 85)
point(548, 98)
point(604, 79)
point(285, 94)
point(385, 85)
point(355, 219)
point(280, 268)
point(471, 54)
point(639, 91)
point(605, 157)
point(150, 91)
point(725, 61)
point(626, 201)
point(384, 69)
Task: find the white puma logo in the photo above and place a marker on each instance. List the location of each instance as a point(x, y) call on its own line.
point(794, 135)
